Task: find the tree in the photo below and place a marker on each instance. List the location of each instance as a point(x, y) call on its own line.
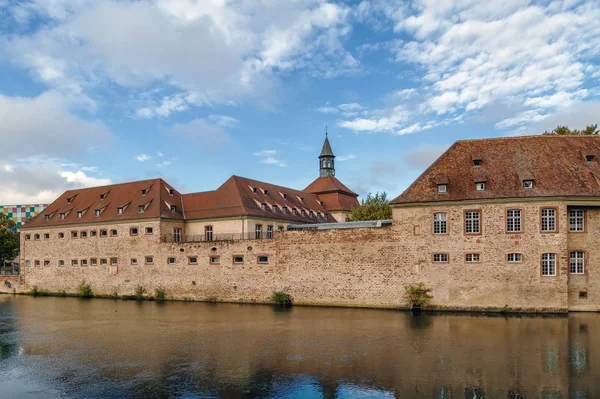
point(565, 131)
point(372, 208)
point(9, 239)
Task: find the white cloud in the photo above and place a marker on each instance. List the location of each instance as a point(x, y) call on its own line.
point(164, 163)
point(9, 168)
point(160, 154)
point(347, 110)
point(343, 158)
point(224, 120)
point(211, 135)
point(268, 157)
point(383, 121)
point(79, 178)
point(143, 157)
point(265, 153)
point(424, 155)
point(273, 161)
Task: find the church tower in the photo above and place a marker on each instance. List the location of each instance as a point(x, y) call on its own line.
point(326, 160)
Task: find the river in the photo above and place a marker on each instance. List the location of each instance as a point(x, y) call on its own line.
point(102, 348)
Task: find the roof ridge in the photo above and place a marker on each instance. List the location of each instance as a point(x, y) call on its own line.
point(528, 137)
point(114, 184)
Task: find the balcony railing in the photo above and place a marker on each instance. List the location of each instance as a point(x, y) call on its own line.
point(218, 237)
point(9, 270)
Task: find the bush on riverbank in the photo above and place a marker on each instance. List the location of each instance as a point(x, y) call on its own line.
point(35, 291)
point(417, 295)
point(160, 293)
point(139, 292)
point(282, 299)
point(85, 290)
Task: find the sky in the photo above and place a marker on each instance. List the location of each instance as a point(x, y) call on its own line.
point(94, 92)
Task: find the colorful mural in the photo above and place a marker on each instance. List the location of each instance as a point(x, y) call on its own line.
point(20, 213)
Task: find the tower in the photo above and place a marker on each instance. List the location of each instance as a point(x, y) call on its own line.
point(326, 159)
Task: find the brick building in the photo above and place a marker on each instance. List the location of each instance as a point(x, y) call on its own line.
point(496, 223)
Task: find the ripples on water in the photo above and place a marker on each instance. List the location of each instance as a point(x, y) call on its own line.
point(72, 348)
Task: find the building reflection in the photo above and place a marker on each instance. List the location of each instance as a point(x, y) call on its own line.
point(241, 351)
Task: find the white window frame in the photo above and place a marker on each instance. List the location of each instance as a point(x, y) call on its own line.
point(548, 220)
point(208, 233)
point(269, 232)
point(176, 234)
point(512, 257)
point(513, 220)
point(442, 188)
point(577, 262)
point(480, 186)
point(576, 220)
point(473, 258)
point(440, 223)
point(258, 231)
point(472, 222)
point(440, 258)
point(549, 265)
point(528, 184)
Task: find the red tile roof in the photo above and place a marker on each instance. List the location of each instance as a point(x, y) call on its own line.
point(128, 196)
point(328, 184)
point(241, 196)
point(557, 164)
point(334, 195)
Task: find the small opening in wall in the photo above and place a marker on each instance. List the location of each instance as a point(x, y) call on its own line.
point(214, 249)
point(249, 248)
point(193, 283)
point(583, 294)
point(181, 250)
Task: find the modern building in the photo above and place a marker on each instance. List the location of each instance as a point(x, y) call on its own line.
point(20, 213)
point(508, 223)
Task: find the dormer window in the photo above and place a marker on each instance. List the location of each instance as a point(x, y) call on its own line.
point(173, 208)
point(266, 192)
point(274, 208)
point(253, 189)
point(98, 212)
point(284, 196)
point(48, 217)
point(442, 188)
point(120, 210)
point(61, 216)
point(103, 196)
point(589, 158)
point(69, 200)
point(294, 211)
point(171, 191)
point(79, 214)
point(480, 186)
point(142, 208)
point(303, 212)
point(319, 215)
point(477, 162)
point(263, 207)
point(145, 191)
point(528, 184)
point(284, 209)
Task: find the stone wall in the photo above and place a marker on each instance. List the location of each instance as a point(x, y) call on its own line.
point(350, 267)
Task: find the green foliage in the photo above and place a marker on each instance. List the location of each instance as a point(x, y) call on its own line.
point(61, 293)
point(417, 295)
point(9, 240)
point(84, 290)
point(565, 131)
point(282, 299)
point(35, 291)
point(372, 208)
point(504, 309)
point(160, 293)
point(139, 292)
point(114, 294)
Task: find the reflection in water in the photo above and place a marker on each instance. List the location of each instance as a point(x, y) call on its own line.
point(70, 348)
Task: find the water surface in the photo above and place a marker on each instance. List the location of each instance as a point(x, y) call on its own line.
point(74, 348)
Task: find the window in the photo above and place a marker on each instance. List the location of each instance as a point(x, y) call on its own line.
point(311, 214)
point(83, 234)
point(27, 236)
point(274, 208)
point(192, 260)
point(284, 196)
point(472, 222)
point(171, 191)
point(177, 234)
point(263, 207)
point(133, 231)
point(548, 264)
point(284, 209)
point(61, 216)
point(133, 261)
point(103, 196)
point(279, 228)
point(83, 262)
point(36, 263)
point(46, 263)
point(263, 259)
point(114, 261)
point(303, 212)
point(173, 208)
point(98, 211)
point(471, 258)
point(69, 200)
point(79, 214)
point(61, 262)
point(48, 217)
point(442, 188)
point(145, 191)
point(238, 259)
point(480, 186)
point(120, 210)
point(149, 230)
point(258, 231)
point(113, 233)
point(513, 220)
point(440, 224)
point(253, 189)
point(103, 233)
point(514, 257)
point(294, 211)
point(142, 208)
point(103, 262)
point(214, 260)
point(73, 234)
point(318, 215)
point(74, 262)
point(477, 162)
point(208, 233)
point(93, 261)
point(589, 158)
point(269, 232)
point(36, 236)
point(440, 258)
point(576, 262)
point(548, 219)
point(28, 263)
point(576, 222)
point(61, 235)
point(171, 261)
point(93, 233)
point(46, 236)
point(266, 192)
point(148, 260)
point(528, 184)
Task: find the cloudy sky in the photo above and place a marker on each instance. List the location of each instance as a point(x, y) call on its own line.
point(101, 91)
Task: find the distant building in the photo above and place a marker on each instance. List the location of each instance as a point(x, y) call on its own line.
point(20, 213)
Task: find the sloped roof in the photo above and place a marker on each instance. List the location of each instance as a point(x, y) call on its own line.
point(242, 196)
point(126, 195)
point(557, 164)
point(326, 151)
point(328, 184)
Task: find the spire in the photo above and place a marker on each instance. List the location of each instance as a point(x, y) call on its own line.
point(326, 159)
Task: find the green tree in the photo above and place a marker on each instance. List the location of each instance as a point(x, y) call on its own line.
point(565, 131)
point(9, 239)
point(374, 207)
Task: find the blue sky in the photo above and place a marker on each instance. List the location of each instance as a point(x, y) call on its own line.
point(98, 92)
